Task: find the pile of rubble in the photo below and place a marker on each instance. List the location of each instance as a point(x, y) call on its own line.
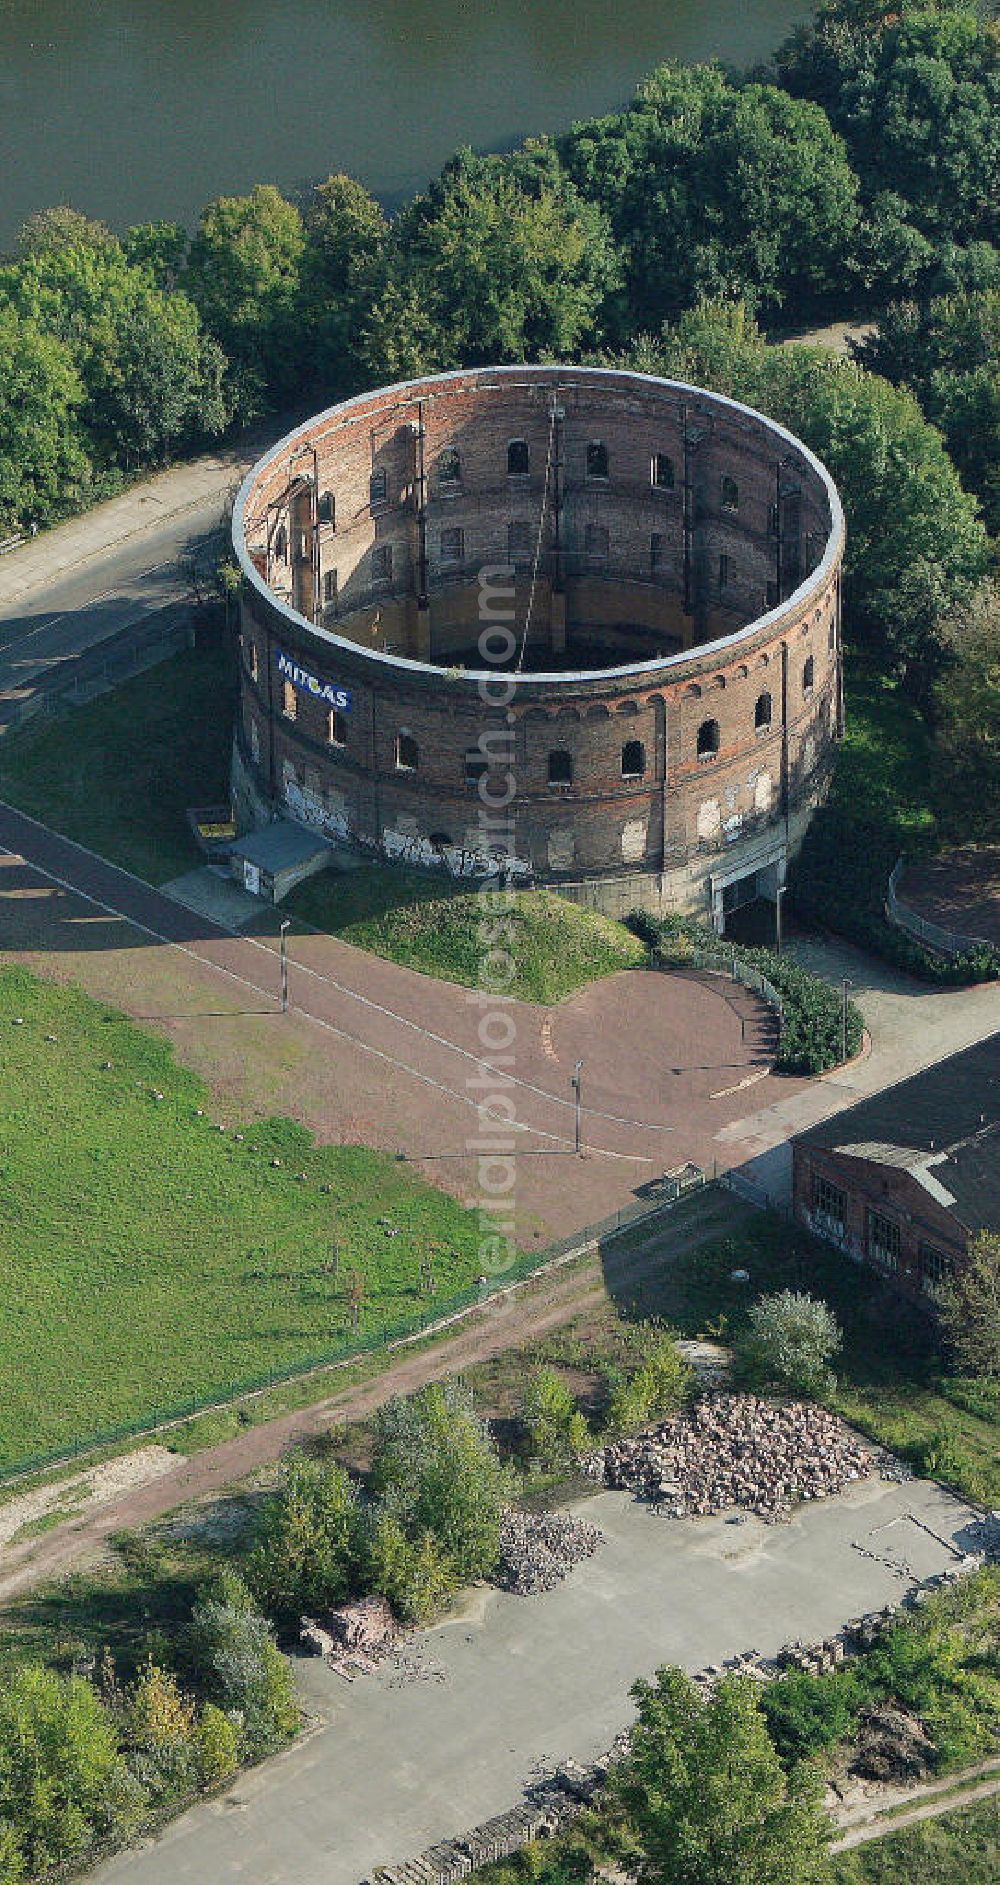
point(354, 1637)
point(736, 1450)
point(537, 1550)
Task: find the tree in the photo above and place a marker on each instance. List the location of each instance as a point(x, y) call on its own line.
point(154, 381)
point(218, 1745)
point(947, 350)
point(244, 274)
point(60, 1767)
point(970, 1308)
point(343, 272)
point(500, 260)
point(412, 1574)
point(659, 1386)
point(304, 1558)
point(967, 725)
point(720, 189)
point(238, 1662)
point(44, 467)
point(915, 92)
point(436, 1469)
point(706, 1795)
point(159, 1726)
point(791, 1340)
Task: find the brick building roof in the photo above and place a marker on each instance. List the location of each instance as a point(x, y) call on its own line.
point(942, 1127)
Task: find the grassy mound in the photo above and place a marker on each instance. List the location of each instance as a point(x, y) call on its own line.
point(555, 946)
point(151, 1259)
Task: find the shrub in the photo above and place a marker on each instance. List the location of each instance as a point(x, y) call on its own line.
point(808, 1714)
point(218, 1742)
point(304, 1559)
point(240, 1665)
point(557, 1431)
point(659, 1386)
point(158, 1723)
point(414, 1575)
point(61, 1773)
point(436, 1469)
point(789, 1344)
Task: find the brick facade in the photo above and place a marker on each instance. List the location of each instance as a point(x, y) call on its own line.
point(880, 1216)
point(679, 557)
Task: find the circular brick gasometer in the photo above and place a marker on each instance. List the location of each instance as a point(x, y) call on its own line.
point(579, 624)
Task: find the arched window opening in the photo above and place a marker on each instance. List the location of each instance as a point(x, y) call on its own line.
point(378, 486)
point(663, 471)
point(382, 563)
point(477, 765)
point(330, 587)
point(452, 546)
point(336, 728)
point(441, 840)
point(327, 508)
point(729, 494)
point(597, 459)
point(808, 676)
point(518, 459)
point(560, 768)
point(407, 753)
point(450, 466)
point(708, 739)
point(633, 759)
point(281, 544)
point(762, 712)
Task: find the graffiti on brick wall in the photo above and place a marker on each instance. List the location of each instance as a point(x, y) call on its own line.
point(323, 814)
point(408, 847)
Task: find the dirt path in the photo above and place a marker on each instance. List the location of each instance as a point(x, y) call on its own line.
point(526, 1312)
point(931, 1801)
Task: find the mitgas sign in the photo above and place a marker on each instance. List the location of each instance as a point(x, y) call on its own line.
point(334, 696)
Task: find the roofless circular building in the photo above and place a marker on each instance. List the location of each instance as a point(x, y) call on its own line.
point(583, 624)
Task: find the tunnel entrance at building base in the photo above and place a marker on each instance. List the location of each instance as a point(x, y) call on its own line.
point(744, 899)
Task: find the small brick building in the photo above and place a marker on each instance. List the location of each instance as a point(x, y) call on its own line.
point(905, 1180)
point(585, 620)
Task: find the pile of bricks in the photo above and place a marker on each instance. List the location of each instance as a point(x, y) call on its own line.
point(354, 1638)
point(736, 1450)
point(537, 1550)
point(546, 1808)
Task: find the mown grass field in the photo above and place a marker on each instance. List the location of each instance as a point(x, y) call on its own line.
point(442, 930)
point(960, 1848)
point(150, 1258)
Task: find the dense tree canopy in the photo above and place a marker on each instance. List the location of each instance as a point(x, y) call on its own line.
point(244, 275)
point(914, 90)
point(43, 462)
point(715, 188)
point(706, 1794)
point(501, 259)
point(343, 272)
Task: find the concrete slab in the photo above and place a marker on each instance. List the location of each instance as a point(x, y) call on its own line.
point(215, 896)
point(513, 1683)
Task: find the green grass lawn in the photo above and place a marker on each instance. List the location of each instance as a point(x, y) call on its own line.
point(961, 1848)
point(440, 928)
point(151, 1259)
point(119, 773)
point(892, 1382)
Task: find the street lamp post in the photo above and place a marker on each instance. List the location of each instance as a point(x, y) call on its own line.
point(577, 1091)
point(778, 930)
point(286, 925)
point(846, 983)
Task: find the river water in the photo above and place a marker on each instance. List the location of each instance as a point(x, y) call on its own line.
point(135, 109)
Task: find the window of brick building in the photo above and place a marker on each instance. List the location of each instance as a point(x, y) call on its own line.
point(336, 728)
point(723, 570)
point(633, 759)
point(560, 768)
point(407, 753)
point(656, 554)
point(935, 1268)
point(662, 471)
point(729, 494)
point(378, 486)
point(808, 676)
point(762, 712)
point(289, 700)
point(883, 1240)
point(254, 662)
point(477, 765)
point(450, 466)
point(595, 543)
point(519, 543)
point(597, 459)
point(772, 520)
point(829, 1206)
point(518, 459)
point(382, 563)
point(327, 508)
point(452, 546)
point(329, 587)
point(708, 739)
point(281, 544)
